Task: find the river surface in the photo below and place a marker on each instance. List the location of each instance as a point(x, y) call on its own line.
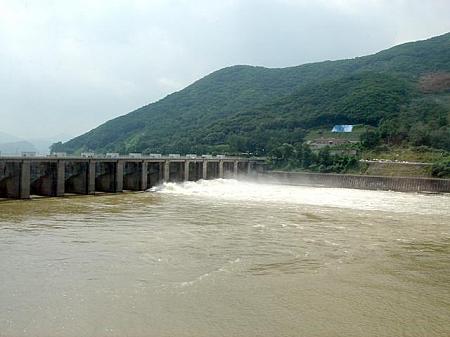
point(226, 258)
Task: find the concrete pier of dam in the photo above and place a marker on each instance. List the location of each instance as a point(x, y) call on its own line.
point(21, 177)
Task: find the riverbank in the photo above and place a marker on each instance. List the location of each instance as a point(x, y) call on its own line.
point(366, 182)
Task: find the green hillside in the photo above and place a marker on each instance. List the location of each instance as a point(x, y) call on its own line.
point(404, 92)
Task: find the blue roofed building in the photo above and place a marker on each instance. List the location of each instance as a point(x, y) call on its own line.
point(342, 128)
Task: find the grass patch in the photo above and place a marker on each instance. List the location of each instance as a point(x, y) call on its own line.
point(416, 154)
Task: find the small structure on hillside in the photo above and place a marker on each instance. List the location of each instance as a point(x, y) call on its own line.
point(342, 128)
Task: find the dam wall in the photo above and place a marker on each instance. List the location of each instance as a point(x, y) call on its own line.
point(400, 184)
point(21, 177)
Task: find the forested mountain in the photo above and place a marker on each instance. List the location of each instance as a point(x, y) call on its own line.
point(403, 91)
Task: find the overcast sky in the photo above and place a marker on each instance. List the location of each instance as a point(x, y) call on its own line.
point(67, 66)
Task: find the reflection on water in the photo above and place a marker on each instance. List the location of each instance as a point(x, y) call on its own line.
point(222, 258)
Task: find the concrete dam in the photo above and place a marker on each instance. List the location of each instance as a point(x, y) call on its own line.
point(21, 177)
point(54, 176)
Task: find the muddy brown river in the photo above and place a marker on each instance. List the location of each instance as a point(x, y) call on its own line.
point(226, 258)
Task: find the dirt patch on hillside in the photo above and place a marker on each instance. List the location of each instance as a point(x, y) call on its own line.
point(436, 82)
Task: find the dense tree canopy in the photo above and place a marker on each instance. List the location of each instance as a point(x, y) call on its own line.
point(244, 109)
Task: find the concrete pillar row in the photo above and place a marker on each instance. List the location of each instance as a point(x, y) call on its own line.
point(87, 175)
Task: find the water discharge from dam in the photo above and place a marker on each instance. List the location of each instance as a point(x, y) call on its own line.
point(226, 258)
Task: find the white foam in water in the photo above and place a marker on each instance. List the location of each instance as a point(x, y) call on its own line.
point(234, 190)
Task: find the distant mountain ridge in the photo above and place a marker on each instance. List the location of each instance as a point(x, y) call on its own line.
point(10, 144)
point(253, 109)
point(15, 148)
point(7, 138)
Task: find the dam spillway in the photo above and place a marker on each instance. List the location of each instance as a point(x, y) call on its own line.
point(21, 177)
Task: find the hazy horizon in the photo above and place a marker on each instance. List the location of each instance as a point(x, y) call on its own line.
point(68, 67)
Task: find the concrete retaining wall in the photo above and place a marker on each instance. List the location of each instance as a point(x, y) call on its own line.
point(401, 184)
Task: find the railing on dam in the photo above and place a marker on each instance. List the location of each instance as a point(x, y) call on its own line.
point(23, 176)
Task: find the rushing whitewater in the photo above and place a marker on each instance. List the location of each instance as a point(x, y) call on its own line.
point(226, 258)
point(233, 190)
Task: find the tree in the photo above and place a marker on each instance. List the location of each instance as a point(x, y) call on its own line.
point(440, 138)
point(419, 135)
point(370, 139)
point(441, 169)
point(56, 147)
